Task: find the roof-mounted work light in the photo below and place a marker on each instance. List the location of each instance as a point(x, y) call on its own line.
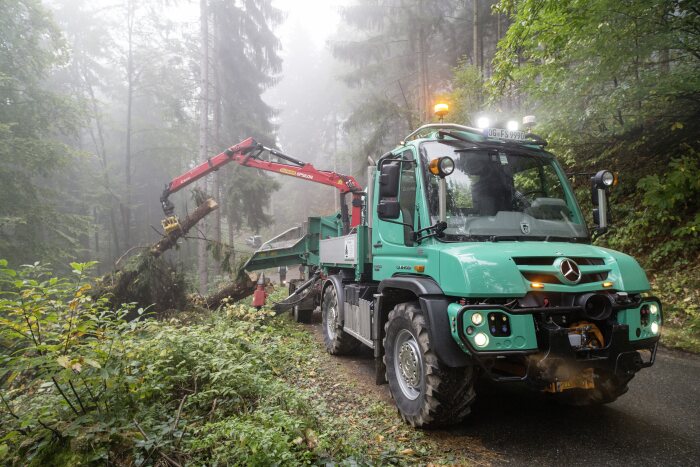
point(483, 122)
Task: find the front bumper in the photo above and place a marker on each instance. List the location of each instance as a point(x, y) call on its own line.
point(545, 350)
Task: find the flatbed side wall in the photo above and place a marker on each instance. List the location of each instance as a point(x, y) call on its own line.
point(304, 251)
point(348, 252)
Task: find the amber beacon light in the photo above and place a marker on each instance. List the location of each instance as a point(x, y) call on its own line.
point(441, 109)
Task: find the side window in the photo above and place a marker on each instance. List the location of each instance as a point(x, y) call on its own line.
point(407, 194)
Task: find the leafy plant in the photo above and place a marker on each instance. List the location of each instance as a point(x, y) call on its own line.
point(61, 362)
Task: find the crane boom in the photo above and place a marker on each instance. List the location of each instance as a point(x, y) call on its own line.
point(247, 153)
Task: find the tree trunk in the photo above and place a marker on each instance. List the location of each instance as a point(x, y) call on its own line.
point(242, 287)
point(129, 103)
point(216, 123)
point(100, 148)
point(423, 85)
point(475, 30)
point(202, 252)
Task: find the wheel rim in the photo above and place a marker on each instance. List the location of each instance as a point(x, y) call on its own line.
point(408, 364)
point(332, 320)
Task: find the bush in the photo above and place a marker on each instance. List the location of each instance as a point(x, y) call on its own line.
point(62, 362)
point(665, 228)
point(80, 385)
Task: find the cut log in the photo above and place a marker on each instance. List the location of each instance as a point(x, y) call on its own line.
point(243, 287)
point(169, 241)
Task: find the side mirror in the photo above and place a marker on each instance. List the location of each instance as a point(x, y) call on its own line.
point(388, 209)
point(389, 180)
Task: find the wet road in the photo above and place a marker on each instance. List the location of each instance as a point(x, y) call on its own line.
point(656, 423)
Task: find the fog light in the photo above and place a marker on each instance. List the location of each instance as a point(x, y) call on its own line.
point(644, 315)
point(477, 319)
point(481, 339)
point(653, 308)
point(654, 328)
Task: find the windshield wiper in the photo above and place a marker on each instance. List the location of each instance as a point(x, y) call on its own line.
point(454, 238)
point(536, 238)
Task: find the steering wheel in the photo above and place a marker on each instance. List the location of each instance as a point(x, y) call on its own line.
point(532, 192)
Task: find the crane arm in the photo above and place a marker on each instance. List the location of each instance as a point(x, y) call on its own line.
point(247, 153)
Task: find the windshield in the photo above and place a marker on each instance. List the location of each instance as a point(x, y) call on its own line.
point(502, 193)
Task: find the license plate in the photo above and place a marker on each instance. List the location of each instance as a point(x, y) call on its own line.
point(501, 133)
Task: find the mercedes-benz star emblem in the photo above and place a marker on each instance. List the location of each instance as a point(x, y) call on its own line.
point(570, 271)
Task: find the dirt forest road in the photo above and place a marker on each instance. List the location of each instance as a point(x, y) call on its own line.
point(656, 423)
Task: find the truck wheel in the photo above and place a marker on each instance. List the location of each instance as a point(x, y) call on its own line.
point(607, 389)
point(338, 342)
point(427, 393)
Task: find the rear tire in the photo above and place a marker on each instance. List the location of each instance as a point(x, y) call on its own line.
point(608, 388)
point(427, 393)
point(338, 342)
point(303, 316)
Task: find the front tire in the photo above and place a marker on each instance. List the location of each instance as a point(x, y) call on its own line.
point(427, 393)
point(338, 342)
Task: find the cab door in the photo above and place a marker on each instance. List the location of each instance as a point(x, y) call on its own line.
point(395, 212)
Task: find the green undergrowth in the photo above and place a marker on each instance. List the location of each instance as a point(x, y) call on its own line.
point(679, 291)
point(82, 386)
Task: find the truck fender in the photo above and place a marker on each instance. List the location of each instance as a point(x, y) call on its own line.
point(433, 303)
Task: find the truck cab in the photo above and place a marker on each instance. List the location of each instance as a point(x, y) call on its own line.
point(473, 259)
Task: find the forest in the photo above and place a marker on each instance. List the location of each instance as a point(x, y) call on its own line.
point(103, 103)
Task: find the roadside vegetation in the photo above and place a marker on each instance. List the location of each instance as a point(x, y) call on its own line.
point(81, 386)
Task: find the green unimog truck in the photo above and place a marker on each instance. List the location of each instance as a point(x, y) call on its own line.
point(473, 258)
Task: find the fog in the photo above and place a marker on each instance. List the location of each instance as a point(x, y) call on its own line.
point(117, 98)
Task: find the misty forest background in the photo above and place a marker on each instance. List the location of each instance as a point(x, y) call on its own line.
point(102, 103)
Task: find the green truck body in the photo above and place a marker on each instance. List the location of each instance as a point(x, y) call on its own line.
point(484, 269)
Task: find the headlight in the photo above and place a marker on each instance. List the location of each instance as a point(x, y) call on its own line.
point(477, 319)
point(653, 308)
point(654, 328)
point(481, 340)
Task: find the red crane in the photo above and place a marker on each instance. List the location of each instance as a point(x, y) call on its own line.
point(247, 153)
